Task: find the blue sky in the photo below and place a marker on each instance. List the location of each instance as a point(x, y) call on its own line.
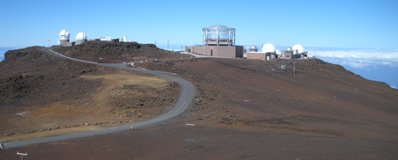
point(333, 23)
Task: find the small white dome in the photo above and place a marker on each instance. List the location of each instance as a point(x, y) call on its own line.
point(64, 35)
point(268, 48)
point(298, 49)
point(124, 39)
point(81, 36)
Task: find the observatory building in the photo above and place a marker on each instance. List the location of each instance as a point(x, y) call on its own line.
point(124, 39)
point(297, 51)
point(287, 54)
point(218, 41)
point(64, 38)
point(81, 38)
point(268, 52)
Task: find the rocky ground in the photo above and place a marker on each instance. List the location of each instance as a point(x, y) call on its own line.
point(118, 52)
point(307, 96)
point(41, 94)
point(248, 109)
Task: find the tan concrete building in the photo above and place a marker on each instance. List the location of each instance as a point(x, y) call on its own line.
point(288, 54)
point(255, 55)
point(219, 51)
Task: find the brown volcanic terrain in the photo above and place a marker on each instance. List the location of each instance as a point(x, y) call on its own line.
point(117, 52)
point(41, 94)
point(246, 109)
point(318, 98)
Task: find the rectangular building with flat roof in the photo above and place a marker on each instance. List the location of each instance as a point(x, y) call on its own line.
point(219, 51)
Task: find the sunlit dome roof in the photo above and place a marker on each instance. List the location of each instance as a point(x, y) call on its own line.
point(81, 36)
point(268, 48)
point(64, 35)
point(298, 49)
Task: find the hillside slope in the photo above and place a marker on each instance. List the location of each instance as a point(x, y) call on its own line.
point(248, 109)
point(315, 97)
point(116, 52)
point(42, 94)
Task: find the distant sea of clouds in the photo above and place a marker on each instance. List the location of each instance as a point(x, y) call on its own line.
point(373, 64)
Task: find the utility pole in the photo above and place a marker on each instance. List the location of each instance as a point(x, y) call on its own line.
point(168, 44)
point(190, 41)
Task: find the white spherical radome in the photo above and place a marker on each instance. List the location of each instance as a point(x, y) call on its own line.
point(268, 48)
point(64, 35)
point(298, 49)
point(81, 36)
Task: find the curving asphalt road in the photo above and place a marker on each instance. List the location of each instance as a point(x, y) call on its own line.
point(185, 97)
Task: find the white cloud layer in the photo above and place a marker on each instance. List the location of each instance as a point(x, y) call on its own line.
point(358, 58)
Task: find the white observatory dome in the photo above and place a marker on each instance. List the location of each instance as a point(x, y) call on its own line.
point(124, 39)
point(81, 36)
point(268, 48)
point(64, 35)
point(298, 49)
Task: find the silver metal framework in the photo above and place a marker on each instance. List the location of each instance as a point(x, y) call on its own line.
point(219, 35)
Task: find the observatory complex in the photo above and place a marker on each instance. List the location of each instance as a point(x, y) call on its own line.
point(269, 52)
point(81, 37)
point(218, 41)
point(295, 52)
point(64, 38)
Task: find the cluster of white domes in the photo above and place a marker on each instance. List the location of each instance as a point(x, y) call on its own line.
point(64, 37)
point(268, 48)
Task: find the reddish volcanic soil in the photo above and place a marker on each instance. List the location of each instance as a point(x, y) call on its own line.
point(246, 109)
point(44, 95)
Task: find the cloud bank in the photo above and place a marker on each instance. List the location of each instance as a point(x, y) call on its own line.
point(358, 58)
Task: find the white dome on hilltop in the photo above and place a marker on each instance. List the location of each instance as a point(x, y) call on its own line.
point(81, 36)
point(124, 39)
point(268, 48)
point(298, 49)
point(64, 35)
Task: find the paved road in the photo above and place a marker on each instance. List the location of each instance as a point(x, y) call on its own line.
point(185, 97)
